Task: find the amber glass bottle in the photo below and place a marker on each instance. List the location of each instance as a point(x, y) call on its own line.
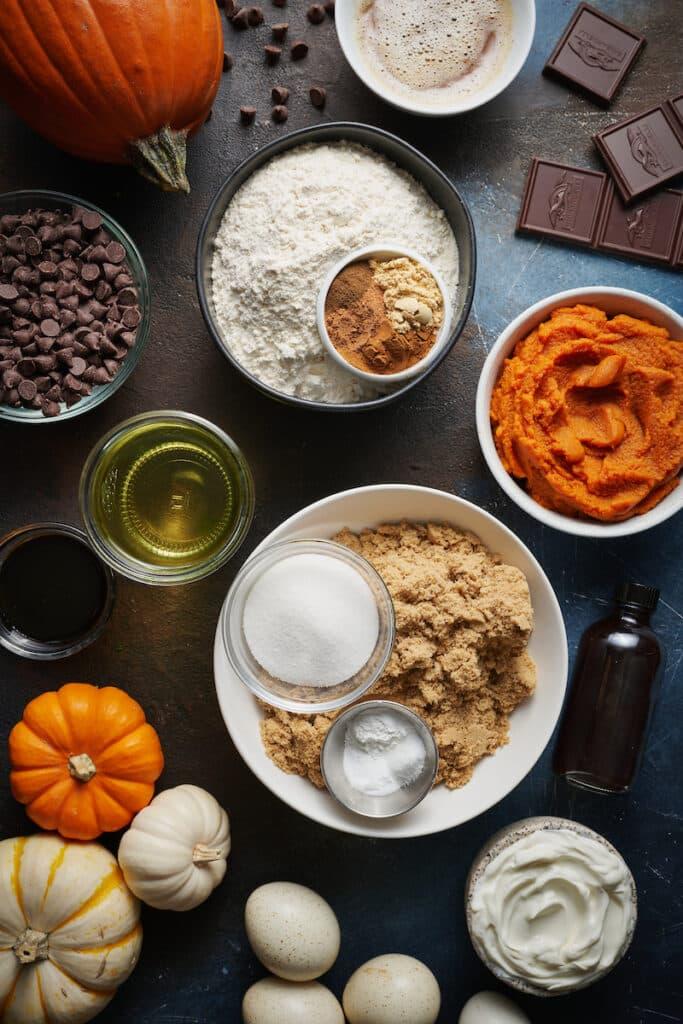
point(613, 692)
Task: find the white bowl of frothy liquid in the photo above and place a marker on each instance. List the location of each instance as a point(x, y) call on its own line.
point(436, 57)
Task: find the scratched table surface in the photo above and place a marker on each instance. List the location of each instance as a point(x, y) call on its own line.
point(402, 896)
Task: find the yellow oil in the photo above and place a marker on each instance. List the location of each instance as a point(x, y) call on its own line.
point(168, 493)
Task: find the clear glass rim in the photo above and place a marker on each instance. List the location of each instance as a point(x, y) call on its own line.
point(38, 650)
point(137, 264)
point(229, 631)
point(165, 575)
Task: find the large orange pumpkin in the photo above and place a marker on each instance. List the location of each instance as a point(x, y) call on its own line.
point(84, 760)
point(120, 81)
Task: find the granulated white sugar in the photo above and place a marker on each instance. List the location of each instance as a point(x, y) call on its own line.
point(285, 227)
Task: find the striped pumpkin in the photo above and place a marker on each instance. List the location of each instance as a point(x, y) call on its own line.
point(70, 930)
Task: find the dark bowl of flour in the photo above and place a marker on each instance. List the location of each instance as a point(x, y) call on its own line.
point(275, 227)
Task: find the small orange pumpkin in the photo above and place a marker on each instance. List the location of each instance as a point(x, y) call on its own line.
point(84, 760)
point(120, 81)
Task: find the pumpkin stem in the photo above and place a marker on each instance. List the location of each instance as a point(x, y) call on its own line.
point(205, 854)
point(161, 159)
point(82, 767)
point(31, 946)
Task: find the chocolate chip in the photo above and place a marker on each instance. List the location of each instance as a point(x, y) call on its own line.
point(33, 246)
point(49, 408)
point(126, 297)
point(273, 53)
point(254, 16)
point(318, 96)
point(131, 317)
point(47, 268)
point(26, 367)
point(280, 94)
point(27, 390)
point(240, 19)
point(299, 49)
point(8, 293)
point(115, 252)
point(247, 115)
point(90, 272)
point(227, 62)
point(315, 14)
point(280, 31)
point(91, 220)
point(49, 327)
point(329, 7)
point(280, 114)
point(78, 366)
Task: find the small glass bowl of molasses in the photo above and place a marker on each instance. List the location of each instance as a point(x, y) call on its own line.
point(56, 595)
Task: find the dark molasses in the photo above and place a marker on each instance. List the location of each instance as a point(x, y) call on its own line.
point(52, 588)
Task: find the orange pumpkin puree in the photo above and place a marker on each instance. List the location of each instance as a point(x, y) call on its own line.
point(589, 412)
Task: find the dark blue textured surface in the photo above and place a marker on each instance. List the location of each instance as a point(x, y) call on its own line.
point(403, 896)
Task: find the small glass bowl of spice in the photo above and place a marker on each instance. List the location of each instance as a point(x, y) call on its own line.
point(379, 759)
point(383, 314)
point(308, 625)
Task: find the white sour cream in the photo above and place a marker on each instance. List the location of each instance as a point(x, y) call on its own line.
point(553, 909)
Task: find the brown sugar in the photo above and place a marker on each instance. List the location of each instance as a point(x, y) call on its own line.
point(366, 321)
point(463, 621)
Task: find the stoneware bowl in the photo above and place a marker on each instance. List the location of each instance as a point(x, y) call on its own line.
point(531, 725)
point(612, 300)
point(523, 28)
point(506, 837)
point(384, 253)
point(441, 190)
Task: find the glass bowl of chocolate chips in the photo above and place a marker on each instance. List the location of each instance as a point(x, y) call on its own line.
point(74, 306)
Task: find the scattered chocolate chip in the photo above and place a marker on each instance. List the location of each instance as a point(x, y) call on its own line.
point(273, 54)
point(254, 16)
point(299, 49)
point(318, 96)
point(280, 31)
point(247, 115)
point(240, 19)
point(227, 62)
point(280, 94)
point(315, 14)
point(280, 113)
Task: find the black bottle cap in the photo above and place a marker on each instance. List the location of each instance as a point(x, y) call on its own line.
point(637, 594)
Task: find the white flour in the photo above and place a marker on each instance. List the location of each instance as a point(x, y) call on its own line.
point(284, 228)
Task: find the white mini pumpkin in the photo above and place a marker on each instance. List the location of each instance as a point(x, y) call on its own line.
point(70, 930)
point(174, 854)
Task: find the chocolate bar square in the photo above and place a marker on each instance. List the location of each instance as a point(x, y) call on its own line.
point(676, 106)
point(642, 152)
point(646, 230)
point(562, 201)
point(595, 53)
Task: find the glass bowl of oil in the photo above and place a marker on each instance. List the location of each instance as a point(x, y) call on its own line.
point(166, 498)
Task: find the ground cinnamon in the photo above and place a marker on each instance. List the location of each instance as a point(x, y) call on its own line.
point(375, 310)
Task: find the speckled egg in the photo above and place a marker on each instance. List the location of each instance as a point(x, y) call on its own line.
point(392, 989)
point(275, 1001)
point(491, 1008)
point(292, 930)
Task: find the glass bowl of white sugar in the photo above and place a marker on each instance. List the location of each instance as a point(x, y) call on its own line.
point(308, 625)
point(379, 759)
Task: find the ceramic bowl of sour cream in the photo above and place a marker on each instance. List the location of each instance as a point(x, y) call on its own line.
point(437, 58)
point(551, 906)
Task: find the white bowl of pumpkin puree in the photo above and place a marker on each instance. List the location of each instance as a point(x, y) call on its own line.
point(580, 411)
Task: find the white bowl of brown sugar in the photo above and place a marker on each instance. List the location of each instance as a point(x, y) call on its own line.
point(383, 314)
point(463, 585)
